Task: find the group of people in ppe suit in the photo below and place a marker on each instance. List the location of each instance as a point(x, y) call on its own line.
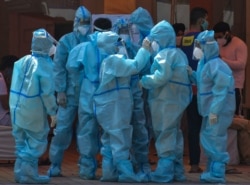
point(98, 77)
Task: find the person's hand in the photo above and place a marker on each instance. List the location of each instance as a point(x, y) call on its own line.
point(189, 70)
point(146, 44)
point(213, 118)
point(53, 121)
point(61, 99)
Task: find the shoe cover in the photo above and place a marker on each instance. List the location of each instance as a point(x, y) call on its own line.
point(87, 167)
point(217, 169)
point(164, 171)
point(126, 172)
point(179, 172)
point(216, 173)
point(109, 172)
point(143, 168)
point(17, 169)
point(143, 171)
point(54, 171)
point(29, 174)
point(208, 178)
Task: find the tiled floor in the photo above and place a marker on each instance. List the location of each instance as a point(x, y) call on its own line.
point(70, 173)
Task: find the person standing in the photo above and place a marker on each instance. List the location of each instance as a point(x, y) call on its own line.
point(113, 98)
point(141, 23)
point(31, 100)
point(233, 51)
point(198, 23)
point(215, 84)
point(84, 59)
point(66, 95)
point(141, 19)
point(179, 29)
point(169, 95)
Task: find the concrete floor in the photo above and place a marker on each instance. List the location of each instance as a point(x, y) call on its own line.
point(70, 172)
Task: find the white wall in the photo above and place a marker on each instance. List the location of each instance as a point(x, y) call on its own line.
point(181, 15)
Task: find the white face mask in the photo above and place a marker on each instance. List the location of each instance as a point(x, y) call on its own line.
point(83, 29)
point(52, 50)
point(197, 53)
point(221, 41)
point(155, 46)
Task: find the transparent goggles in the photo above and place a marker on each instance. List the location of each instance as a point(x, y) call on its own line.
point(84, 22)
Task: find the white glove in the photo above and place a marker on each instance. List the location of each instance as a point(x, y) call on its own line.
point(212, 118)
point(53, 121)
point(189, 70)
point(61, 99)
point(146, 44)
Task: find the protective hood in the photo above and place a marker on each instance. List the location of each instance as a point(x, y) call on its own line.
point(93, 38)
point(208, 44)
point(163, 33)
point(42, 41)
point(82, 15)
point(107, 42)
point(143, 20)
point(120, 24)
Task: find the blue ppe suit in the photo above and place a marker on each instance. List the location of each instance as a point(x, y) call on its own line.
point(85, 58)
point(169, 95)
point(63, 84)
point(31, 100)
point(141, 120)
point(113, 107)
point(215, 84)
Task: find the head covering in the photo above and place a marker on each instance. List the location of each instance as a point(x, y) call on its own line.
point(208, 44)
point(163, 33)
point(107, 42)
point(102, 24)
point(82, 16)
point(42, 41)
point(121, 25)
point(143, 20)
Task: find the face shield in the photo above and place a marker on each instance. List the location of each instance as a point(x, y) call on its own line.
point(43, 42)
point(84, 26)
point(134, 34)
point(122, 49)
point(204, 48)
point(197, 51)
point(124, 34)
point(43, 34)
